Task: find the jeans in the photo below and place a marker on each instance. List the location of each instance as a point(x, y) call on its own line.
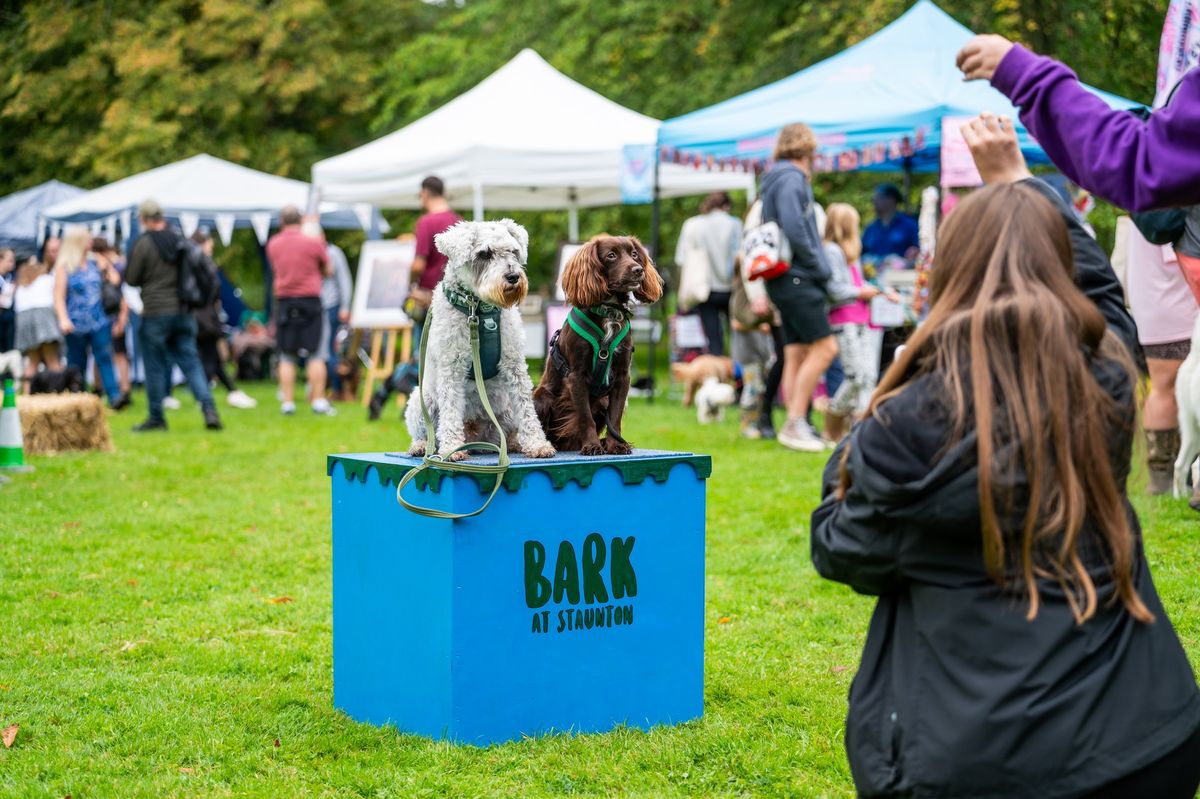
point(166, 340)
point(100, 343)
point(8, 329)
point(834, 376)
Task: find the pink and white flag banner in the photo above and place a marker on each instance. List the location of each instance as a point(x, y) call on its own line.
point(1179, 48)
point(833, 156)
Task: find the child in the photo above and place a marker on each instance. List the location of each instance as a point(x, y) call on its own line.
point(38, 334)
point(850, 318)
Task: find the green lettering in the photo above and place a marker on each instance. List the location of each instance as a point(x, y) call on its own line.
point(627, 612)
point(563, 615)
point(621, 576)
point(578, 620)
point(593, 562)
point(537, 587)
point(566, 574)
point(537, 623)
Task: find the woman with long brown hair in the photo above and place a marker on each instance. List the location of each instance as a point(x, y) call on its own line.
point(1018, 647)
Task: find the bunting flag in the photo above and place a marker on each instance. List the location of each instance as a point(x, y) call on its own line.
point(1179, 48)
point(41, 231)
point(94, 228)
point(261, 222)
point(56, 230)
point(224, 223)
point(188, 222)
point(829, 159)
point(364, 212)
point(126, 223)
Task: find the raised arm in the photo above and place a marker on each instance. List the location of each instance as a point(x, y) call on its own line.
point(1138, 165)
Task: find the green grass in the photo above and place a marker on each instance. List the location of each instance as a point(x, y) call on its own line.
point(141, 656)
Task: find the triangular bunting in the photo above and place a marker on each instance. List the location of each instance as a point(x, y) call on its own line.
point(225, 227)
point(188, 222)
point(364, 212)
point(261, 222)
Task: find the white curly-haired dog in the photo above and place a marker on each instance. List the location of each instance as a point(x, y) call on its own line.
point(712, 399)
point(486, 266)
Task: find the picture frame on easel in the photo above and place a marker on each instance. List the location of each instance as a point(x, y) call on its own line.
point(384, 274)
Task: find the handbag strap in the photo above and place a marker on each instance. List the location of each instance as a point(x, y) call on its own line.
point(432, 459)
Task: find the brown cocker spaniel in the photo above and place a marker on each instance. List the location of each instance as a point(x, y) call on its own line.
point(586, 381)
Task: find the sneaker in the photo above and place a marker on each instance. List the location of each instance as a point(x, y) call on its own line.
point(211, 420)
point(797, 435)
point(171, 404)
point(122, 402)
point(322, 407)
point(240, 399)
point(766, 428)
point(151, 425)
point(288, 408)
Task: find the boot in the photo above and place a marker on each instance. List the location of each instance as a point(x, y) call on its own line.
point(766, 427)
point(403, 379)
point(749, 423)
point(835, 427)
point(1162, 448)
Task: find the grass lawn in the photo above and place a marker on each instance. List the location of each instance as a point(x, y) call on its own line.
point(142, 655)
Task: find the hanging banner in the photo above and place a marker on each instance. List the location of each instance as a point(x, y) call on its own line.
point(188, 222)
point(958, 167)
point(261, 222)
point(637, 174)
point(224, 223)
point(364, 212)
point(1179, 48)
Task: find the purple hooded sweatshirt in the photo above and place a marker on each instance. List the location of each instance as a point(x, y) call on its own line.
point(1134, 164)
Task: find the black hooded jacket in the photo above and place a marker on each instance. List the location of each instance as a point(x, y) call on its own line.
point(957, 694)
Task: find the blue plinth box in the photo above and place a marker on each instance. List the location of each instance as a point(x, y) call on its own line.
point(574, 603)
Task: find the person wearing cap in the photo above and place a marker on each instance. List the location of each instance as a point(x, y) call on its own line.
point(893, 233)
point(168, 332)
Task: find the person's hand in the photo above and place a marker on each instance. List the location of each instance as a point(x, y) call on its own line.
point(868, 293)
point(65, 326)
point(760, 306)
point(979, 57)
point(343, 316)
point(993, 144)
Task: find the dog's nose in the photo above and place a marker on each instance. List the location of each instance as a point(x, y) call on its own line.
point(513, 279)
point(638, 271)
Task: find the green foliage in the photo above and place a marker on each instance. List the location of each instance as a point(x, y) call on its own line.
point(93, 91)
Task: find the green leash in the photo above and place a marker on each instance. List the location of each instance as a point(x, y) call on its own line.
point(432, 459)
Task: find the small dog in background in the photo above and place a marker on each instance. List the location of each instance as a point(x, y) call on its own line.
point(712, 398)
point(1187, 397)
point(62, 381)
point(694, 373)
point(11, 364)
point(485, 275)
point(585, 386)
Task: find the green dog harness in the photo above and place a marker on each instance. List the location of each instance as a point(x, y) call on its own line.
point(489, 330)
point(603, 346)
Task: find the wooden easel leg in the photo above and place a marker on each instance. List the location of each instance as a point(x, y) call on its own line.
point(373, 370)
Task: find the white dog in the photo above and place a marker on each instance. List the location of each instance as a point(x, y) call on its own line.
point(712, 398)
point(1187, 396)
point(486, 269)
point(11, 364)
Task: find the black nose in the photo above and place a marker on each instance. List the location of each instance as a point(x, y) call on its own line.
point(513, 279)
point(638, 270)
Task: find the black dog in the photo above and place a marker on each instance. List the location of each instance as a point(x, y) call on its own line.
point(64, 381)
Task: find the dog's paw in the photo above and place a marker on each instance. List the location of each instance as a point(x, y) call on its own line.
point(461, 455)
point(614, 447)
point(592, 449)
point(417, 450)
point(543, 450)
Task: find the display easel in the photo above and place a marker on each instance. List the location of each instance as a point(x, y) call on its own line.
point(383, 346)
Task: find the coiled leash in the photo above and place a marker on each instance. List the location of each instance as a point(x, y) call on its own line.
point(432, 459)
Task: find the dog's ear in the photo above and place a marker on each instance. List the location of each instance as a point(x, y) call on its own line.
point(456, 242)
point(521, 235)
point(583, 279)
point(652, 284)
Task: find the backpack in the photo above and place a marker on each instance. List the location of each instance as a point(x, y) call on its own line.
point(767, 251)
point(197, 284)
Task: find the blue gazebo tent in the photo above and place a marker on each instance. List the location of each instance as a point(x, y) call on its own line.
point(877, 105)
point(19, 213)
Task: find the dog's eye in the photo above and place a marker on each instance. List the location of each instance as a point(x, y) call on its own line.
point(611, 256)
point(633, 253)
point(485, 255)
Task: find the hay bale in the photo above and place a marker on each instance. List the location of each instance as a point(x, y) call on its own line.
point(52, 423)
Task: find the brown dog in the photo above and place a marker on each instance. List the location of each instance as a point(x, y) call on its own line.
point(586, 382)
point(699, 369)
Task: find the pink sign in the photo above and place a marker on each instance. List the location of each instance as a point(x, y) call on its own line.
point(958, 167)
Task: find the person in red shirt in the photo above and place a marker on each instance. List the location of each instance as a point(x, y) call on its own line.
point(299, 263)
point(428, 267)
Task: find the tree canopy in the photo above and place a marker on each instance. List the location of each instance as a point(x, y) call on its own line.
point(94, 91)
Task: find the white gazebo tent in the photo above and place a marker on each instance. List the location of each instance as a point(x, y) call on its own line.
point(200, 190)
point(526, 138)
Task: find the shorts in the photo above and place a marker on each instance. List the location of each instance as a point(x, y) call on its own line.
point(298, 326)
point(1171, 351)
point(118, 343)
point(803, 308)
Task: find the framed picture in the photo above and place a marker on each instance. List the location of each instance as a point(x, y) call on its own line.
point(565, 251)
point(384, 272)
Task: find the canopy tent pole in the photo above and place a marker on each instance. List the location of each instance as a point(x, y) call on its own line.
point(268, 279)
point(573, 217)
point(478, 201)
point(655, 221)
point(908, 172)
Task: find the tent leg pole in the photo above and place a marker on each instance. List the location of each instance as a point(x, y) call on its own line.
point(478, 202)
point(268, 280)
point(655, 222)
point(573, 223)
